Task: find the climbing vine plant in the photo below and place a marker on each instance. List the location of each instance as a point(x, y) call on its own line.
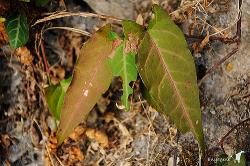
point(158, 53)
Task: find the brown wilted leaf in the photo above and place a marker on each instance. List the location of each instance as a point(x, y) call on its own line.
point(92, 67)
point(57, 74)
point(75, 154)
point(24, 54)
point(78, 132)
point(98, 136)
point(52, 143)
point(108, 117)
point(131, 44)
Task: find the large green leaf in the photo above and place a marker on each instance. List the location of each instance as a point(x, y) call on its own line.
point(55, 96)
point(92, 77)
point(18, 30)
point(123, 62)
point(168, 72)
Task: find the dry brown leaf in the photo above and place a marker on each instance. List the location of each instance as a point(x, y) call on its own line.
point(98, 136)
point(3, 35)
point(24, 55)
point(5, 140)
point(131, 44)
point(75, 154)
point(78, 132)
point(205, 41)
point(139, 20)
point(182, 14)
point(57, 74)
point(108, 117)
point(195, 47)
point(52, 143)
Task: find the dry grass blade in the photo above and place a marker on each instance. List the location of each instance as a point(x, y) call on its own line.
point(59, 161)
point(70, 29)
point(69, 14)
point(46, 146)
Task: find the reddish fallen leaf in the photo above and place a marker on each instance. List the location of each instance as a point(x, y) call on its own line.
point(92, 77)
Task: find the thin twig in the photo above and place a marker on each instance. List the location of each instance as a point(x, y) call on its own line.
point(59, 161)
point(245, 96)
point(218, 64)
point(225, 40)
point(47, 149)
point(69, 14)
point(221, 143)
point(70, 29)
point(44, 58)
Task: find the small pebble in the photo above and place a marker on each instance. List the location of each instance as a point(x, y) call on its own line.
point(51, 123)
point(212, 111)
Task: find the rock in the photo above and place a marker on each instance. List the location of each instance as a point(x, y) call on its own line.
point(115, 8)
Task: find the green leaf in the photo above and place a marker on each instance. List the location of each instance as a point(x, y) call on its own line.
point(41, 3)
point(17, 30)
point(133, 31)
point(168, 72)
point(123, 63)
point(92, 77)
point(55, 96)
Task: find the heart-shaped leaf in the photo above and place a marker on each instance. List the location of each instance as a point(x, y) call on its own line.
point(18, 30)
point(168, 72)
point(55, 96)
point(92, 77)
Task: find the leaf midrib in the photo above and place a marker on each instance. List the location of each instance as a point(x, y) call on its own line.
point(125, 73)
point(172, 82)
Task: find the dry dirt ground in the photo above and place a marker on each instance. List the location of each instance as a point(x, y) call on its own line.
point(111, 136)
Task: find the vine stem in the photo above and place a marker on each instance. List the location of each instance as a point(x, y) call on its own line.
point(229, 132)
